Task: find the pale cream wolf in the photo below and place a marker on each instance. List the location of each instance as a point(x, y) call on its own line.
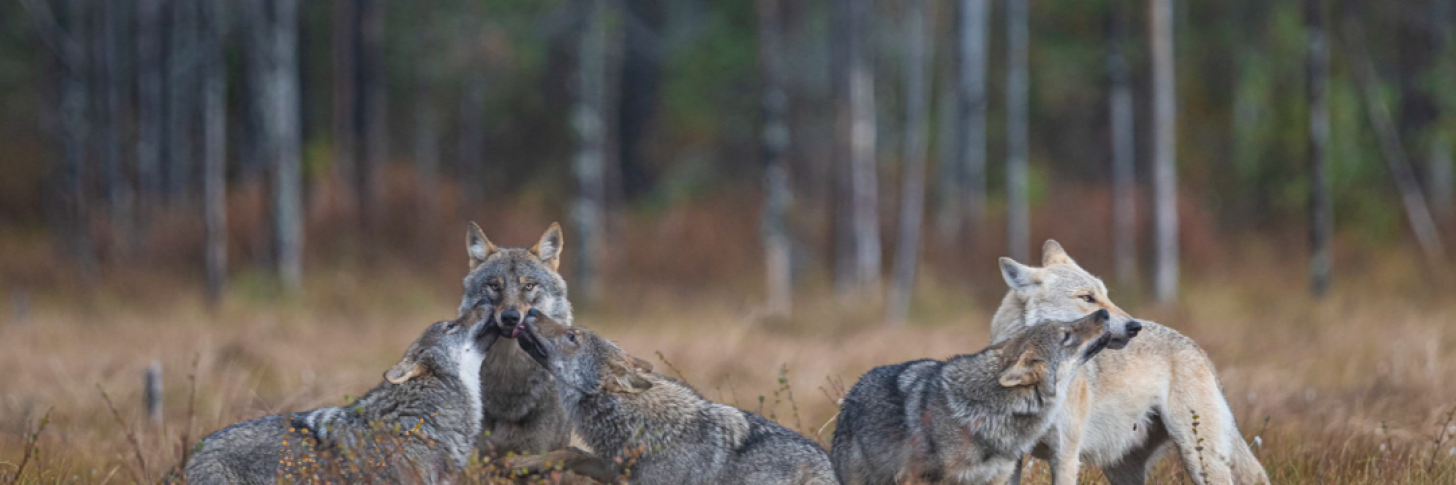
point(968, 419)
point(652, 429)
point(1126, 407)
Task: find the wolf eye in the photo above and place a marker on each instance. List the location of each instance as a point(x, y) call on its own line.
point(530, 286)
point(571, 336)
point(1088, 298)
point(493, 286)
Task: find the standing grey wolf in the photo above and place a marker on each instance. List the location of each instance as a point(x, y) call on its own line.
point(419, 426)
point(520, 411)
point(1127, 406)
point(968, 419)
point(655, 430)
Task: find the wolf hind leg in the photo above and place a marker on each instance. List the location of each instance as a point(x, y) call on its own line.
point(1197, 426)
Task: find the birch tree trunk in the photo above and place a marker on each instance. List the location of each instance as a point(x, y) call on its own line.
point(214, 128)
point(912, 203)
point(1018, 217)
point(1321, 209)
point(778, 250)
point(1165, 129)
point(274, 51)
point(863, 166)
point(1124, 149)
point(1418, 214)
point(589, 118)
point(974, 31)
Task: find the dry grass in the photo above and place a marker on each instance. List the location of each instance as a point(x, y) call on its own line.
point(1352, 389)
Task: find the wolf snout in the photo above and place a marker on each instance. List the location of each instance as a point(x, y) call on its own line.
point(1133, 327)
point(510, 318)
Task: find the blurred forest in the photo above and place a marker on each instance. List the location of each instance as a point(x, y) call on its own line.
point(774, 145)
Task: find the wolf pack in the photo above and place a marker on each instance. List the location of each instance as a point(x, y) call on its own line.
point(1068, 378)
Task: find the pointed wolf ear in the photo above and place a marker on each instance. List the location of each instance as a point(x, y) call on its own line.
point(1025, 372)
point(1018, 276)
point(548, 249)
point(639, 364)
point(477, 245)
point(625, 376)
point(404, 371)
point(1052, 253)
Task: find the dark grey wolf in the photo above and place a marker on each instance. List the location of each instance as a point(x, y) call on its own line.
point(419, 426)
point(655, 430)
point(1126, 407)
point(967, 419)
point(520, 412)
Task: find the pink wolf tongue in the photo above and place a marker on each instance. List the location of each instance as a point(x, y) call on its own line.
point(516, 332)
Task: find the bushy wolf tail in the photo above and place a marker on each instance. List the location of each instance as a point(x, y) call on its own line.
point(1246, 467)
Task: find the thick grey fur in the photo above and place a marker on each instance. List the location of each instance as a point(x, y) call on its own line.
point(957, 420)
point(438, 406)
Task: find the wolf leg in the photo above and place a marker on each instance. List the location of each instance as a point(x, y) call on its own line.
point(1196, 417)
point(1066, 454)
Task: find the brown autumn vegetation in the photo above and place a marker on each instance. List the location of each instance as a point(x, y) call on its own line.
point(1354, 388)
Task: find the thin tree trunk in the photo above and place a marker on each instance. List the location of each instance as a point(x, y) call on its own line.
point(471, 153)
point(75, 131)
point(151, 108)
point(589, 210)
point(841, 168)
point(1018, 217)
point(111, 88)
point(1165, 130)
point(864, 176)
point(974, 32)
point(1321, 209)
point(214, 119)
point(427, 163)
point(1124, 150)
point(275, 55)
point(181, 90)
point(778, 252)
point(376, 116)
point(949, 217)
point(1418, 214)
point(912, 204)
point(1442, 177)
point(345, 36)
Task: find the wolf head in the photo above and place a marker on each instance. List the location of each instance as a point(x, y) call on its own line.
point(580, 360)
point(1048, 354)
point(449, 350)
point(514, 281)
point(1061, 290)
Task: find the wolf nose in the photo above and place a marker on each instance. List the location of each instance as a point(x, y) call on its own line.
point(1133, 327)
point(510, 318)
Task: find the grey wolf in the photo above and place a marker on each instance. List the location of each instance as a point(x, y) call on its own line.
point(418, 426)
point(652, 429)
point(520, 412)
point(1126, 408)
point(967, 419)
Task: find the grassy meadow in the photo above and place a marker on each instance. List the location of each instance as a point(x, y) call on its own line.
point(1355, 388)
